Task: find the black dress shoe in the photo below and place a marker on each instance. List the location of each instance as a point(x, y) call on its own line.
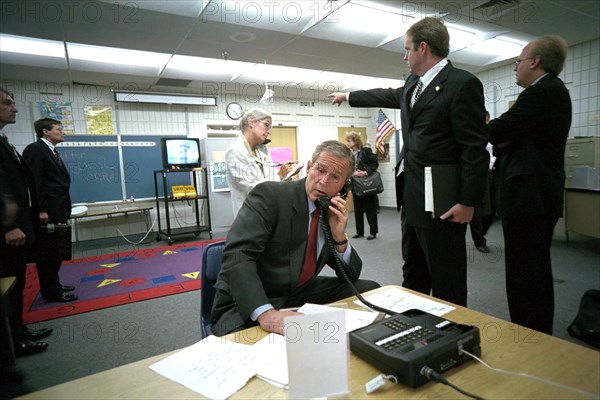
point(26, 347)
point(35, 334)
point(68, 288)
point(371, 237)
point(357, 236)
point(63, 298)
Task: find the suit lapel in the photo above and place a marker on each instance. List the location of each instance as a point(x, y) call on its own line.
point(11, 150)
point(434, 88)
point(50, 154)
point(299, 228)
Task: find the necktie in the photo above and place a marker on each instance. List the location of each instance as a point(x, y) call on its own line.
point(417, 93)
point(56, 155)
point(310, 259)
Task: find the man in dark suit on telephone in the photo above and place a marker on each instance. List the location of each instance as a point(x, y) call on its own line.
point(18, 233)
point(52, 182)
point(443, 122)
point(276, 248)
point(530, 139)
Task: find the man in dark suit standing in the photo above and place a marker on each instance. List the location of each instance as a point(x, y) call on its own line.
point(18, 234)
point(443, 122)
point(52, 182)
point(267, 261)
point(531, 138)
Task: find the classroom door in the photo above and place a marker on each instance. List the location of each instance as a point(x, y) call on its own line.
point(285, 136)
point(283, 139)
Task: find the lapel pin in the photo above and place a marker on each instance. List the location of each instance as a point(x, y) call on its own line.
point(437, 88)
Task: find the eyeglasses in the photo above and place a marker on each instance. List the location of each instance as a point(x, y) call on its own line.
point(522, 59)
point(266, 124)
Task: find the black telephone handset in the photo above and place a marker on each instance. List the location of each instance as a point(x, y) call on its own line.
point(323, 204)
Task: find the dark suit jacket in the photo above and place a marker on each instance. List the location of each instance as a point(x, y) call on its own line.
point(16, 181)
point(367, 160)
point(52, 181)
point(530, 170)
point(264, 253)
point(446, 126)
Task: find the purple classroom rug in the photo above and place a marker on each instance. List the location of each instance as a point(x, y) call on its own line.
point(115, 279)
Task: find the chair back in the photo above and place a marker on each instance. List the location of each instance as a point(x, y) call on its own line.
point(211, 265)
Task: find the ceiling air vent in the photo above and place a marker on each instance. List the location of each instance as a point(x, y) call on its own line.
point(494, 9)
point(498, 3)
point(173, 82)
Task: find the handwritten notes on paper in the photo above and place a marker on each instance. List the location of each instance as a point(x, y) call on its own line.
point(212, 367)
point(217, 368)
point(399, 300)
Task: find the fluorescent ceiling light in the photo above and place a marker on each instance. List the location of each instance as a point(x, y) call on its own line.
point(370, 20)
point(207, 65)
point(113, 55)
point(501, 48)
point(25, 45)
point(280, 74)
point(461, 37)
point(336, 81)
point(164, 98)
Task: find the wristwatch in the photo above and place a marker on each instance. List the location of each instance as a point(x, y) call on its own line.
point(343, 241)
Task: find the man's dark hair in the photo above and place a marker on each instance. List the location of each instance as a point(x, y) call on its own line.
point(44, 123)
point(433, 32)
point(336, 149)
point(6, 92)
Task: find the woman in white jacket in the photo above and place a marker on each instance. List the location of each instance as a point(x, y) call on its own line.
point(248, 160)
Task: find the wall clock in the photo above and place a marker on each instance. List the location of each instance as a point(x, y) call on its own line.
point(234, 110)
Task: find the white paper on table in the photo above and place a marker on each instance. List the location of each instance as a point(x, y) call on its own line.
point(271, 350)
point(354, 318)
point(398, 300)
point(317, 354)
point(213, 367)
point(272, 360)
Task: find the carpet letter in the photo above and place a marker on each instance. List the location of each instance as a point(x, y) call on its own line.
point(132, 282)
point(109, 265)
point(107, 282)
point(191, 275)
point(169, 252)
point(163, 279)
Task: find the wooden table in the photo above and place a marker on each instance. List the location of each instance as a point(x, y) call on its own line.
point(124, 210)
point(504, 345)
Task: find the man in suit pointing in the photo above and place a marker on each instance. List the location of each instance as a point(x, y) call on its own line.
point(52, 184)
point(443, 122)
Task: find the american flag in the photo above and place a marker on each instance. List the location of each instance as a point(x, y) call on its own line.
point(384, 129)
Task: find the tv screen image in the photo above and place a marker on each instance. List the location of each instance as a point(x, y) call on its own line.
point(180, 152)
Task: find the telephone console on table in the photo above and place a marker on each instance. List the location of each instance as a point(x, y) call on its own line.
point(404, 343)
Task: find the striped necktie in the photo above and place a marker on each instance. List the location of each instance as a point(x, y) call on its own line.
point(417, 92)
